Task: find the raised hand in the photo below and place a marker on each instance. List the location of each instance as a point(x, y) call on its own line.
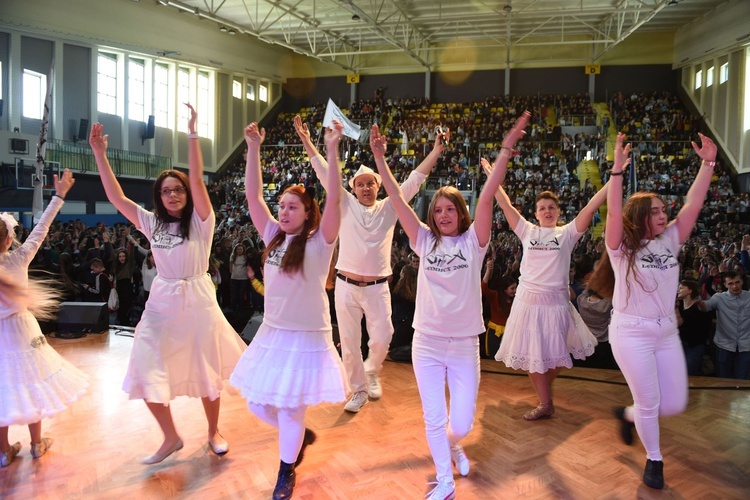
point(254, 136)
point(486, 166)
point(517, 132)
point(193, 118)
point(622, 154)
point(97, 141)
point(301, 128)
point(707, 151)
point(442, 138)
point(377, 141)
point(64, 183)
point(334, 133)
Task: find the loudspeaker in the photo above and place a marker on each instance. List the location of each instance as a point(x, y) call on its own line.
point(85, 317)
point(248, 334)
point(83, 129)
point(150, 128)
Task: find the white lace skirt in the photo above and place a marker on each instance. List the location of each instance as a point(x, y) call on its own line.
point(291, 368)
point(542, 331)
point(35, 381)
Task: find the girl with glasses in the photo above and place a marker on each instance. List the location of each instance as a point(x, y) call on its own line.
point(183, 344)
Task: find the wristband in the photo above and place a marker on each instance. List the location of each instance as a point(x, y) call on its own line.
point(193, 135)
point(614, 174)
point(505, 147)
point(63, 199)
point(711, 163)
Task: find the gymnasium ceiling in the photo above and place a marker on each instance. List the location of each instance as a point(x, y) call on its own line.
point(347, 32)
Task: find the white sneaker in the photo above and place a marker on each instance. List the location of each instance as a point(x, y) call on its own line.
point(374, 389)
point(460, 460)
point(356, 402)
point(444, 490)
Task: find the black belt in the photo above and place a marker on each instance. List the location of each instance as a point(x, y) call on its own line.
point(361, 283)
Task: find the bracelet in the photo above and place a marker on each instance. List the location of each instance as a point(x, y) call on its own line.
point(711, 163)
point(614, 174)
point(193, 136)
point(506, 147)
point(63, 199)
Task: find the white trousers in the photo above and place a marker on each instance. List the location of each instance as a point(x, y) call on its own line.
point(291, 425)
point(650, 356)
point(352, 302)
point(456, 359)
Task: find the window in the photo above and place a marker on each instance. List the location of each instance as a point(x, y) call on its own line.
point(236, 89)
point(183, 96)
point(699, 79)
point(137, 90)
point(263, 93)
point(250, 94)
point(202, 106)
point(161, 95)
point(724, 73)
point(106, 90)
point(34, 94)
point(710, 76)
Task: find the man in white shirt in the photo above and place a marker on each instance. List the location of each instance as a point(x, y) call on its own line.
point(364, 265)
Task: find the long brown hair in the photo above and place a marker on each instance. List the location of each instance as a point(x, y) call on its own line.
point(407, 284)
point(162, 216)
point(294, 258)
point(454, 196)
point(635, 226)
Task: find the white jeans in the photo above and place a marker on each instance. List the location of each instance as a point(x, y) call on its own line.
point(457, 359)
point(291, 425)
point(650, 356)
point(374, 302)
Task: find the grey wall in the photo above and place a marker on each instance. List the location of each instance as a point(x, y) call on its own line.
point(5, 59)
point(77, 89)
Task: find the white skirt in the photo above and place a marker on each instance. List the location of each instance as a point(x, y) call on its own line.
point(542, 331)
point(183, 344)
point(291, 368)
point(35, 381)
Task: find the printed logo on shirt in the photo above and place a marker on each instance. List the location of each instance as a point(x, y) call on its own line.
point(166, 241)
point(662, 262)
point(444, 262)
point(540, 244)
point(275, 256)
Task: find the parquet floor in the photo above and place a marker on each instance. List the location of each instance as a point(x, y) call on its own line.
point(382, 452)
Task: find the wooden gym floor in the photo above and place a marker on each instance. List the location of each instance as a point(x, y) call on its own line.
point(381, 453)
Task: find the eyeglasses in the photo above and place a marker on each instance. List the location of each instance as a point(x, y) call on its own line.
point(179, 190)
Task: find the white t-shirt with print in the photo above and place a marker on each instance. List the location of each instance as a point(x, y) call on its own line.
point(297, 301)
point(449, 292)
point(546, 255)
point(652, 294)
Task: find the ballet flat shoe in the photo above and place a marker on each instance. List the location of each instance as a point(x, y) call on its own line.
point(158, 457)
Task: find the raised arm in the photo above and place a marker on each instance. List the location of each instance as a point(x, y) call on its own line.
point(259, 212)
point(696, 195)
point(320, 166)
point(431, 159)
point(409, 220)
point(201, 200)
point(583, 219)
point(483, 210)
point(613, 233)
point(115, 194)
point(331, 219)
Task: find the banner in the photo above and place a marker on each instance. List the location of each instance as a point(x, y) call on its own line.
point(334, 113)
point(37, 206)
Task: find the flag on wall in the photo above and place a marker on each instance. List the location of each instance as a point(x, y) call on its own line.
point(333, 112)
point(37, 206)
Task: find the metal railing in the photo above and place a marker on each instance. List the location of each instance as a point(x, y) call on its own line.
point(79, 158)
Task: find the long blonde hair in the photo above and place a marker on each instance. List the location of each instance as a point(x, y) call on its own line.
point(38, 299)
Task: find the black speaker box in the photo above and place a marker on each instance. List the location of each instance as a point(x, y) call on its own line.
point(84, 317)
point(150, 127)
point(83, 129)
point(248, 334)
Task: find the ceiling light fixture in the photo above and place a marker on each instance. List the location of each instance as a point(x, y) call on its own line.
point(232, 32)
point(355, 17)
point(672, 3)
point(223, 29)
